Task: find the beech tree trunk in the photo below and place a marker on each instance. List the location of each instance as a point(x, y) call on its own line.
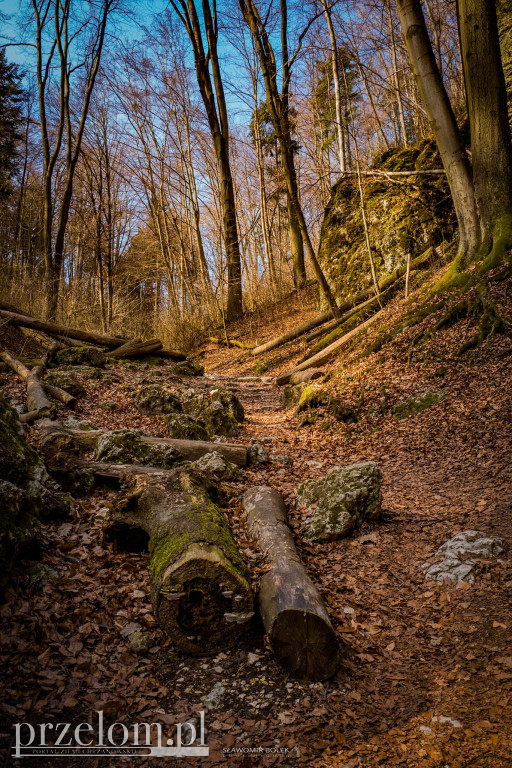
point(293, 613)
point(486, 93)
point(200, 587)
point(443, 124)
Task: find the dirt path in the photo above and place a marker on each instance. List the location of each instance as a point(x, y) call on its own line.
point(412, 651)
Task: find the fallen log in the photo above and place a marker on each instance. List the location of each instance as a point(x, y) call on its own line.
point(200, 587)
point(56, 392)
point(189, 449)
point(323, 356)
point(136, 348)
point(36, 398)
point(293, 612)
point(170, 354)
point(230, 343)
point(345, 306)
point(56, 329)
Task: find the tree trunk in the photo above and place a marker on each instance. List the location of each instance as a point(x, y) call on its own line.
point(488, 118)
point(199, 583)
point(443, 124)
point(136, 348)
point(56, 329)
point(36, 398)
point(504, 14)
point(293, 613)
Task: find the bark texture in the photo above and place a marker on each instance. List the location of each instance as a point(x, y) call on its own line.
point(292, 610)
point(199, 583)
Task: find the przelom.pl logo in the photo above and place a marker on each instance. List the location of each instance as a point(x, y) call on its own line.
point(102, 740)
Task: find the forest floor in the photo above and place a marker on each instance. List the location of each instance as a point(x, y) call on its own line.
point(425, 673)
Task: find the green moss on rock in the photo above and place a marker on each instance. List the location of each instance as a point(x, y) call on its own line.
point(415, 405)
point(89, 356)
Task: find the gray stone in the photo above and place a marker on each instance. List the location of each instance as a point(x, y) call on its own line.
point(341, 501)
point(213, 700)
point(194, 403)
point(257, 454)
point(81, 356)
point(460, 554)
point(188, 368)
point(83, 424)
point(140, 642)
point(291, 394)
point(284, 459)
point(230, 402)
point(218, 420)
point(154, 400)
point(184, 427)
point(216, 466)
point(38, 577)
point(126, 446)
point(66, 381)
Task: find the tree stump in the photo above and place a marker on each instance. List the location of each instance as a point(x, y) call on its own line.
point(292, 610)
point(199, 583)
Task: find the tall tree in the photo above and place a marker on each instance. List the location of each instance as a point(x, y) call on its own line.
point(11, 121)
point(212, 92)
point(278, 106)
point(69, 42)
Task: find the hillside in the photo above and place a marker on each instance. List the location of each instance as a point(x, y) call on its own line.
point(425, 674)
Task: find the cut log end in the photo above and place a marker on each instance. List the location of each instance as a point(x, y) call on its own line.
point(202, 602)
point(305, 644)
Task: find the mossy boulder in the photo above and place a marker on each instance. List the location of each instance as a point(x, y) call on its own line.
point(154, 400)
point(314, 398)
point(184, 427)
point(218, 420)
point(23, 495)
point(89, 356)
point(194, 403)
point(217, 467)
point(401, 219)
point(415, 405)
point(66, 381)
point(127, 446)
point(341, 501)
point(291, 394)
point(187, 368)
point(229, 401)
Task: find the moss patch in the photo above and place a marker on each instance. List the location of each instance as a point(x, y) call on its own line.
point(415, 405)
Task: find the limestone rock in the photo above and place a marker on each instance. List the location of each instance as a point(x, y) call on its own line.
point(66, 381)
point(313, 398)
point(188, 368)
point(341, 501)
point(291, 394)
point(214, 699)
point(194, 403)
point(154, 400)
point(184, 427)
point(128, 447)
point(218, 420)
point(23, 490)
point(216, 466)
point(230, 402)
point(257, 454)
point(81, 356)
point(460, 554)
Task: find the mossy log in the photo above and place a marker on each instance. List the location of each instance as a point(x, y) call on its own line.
point(56, 329)
point(200, 587)
point(230, 342)
point(293, 613)
point(191, 450)
point(323, 356)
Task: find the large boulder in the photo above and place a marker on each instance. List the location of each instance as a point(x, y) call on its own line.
point(314, 398)
point(127, 446)
point(217, 467)
point(230, 402)
point(23, 492)
point(341, 501)
point(194, 403)
point(154, 400)
point(66, 381)
point(81, 356)
point(187, 368)
point(184, 427)
point(218, 420)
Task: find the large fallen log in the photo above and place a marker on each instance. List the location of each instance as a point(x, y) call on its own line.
point(189, 449)
point(136, 348)
point(293, 613)
point(345, 306)
point(323, 356)
point(24, 321)
point(200, 587)
point(36, 398)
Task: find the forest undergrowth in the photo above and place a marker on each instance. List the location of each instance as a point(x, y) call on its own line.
point(425, 673)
